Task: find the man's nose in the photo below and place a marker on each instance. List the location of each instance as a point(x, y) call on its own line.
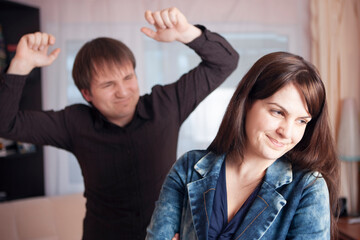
point(120, 90)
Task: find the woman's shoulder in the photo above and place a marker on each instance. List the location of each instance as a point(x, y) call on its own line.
point(190, 158)
point(200, 161)
point(304, 177)
point(308, 199)
point(307, 176)
point(293, 179)
point(311, 182)
point(193, 155)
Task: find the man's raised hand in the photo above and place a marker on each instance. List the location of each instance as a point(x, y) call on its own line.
point(31, 52)
point(170, 25)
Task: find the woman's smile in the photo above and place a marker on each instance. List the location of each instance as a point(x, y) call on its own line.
point(275, 142)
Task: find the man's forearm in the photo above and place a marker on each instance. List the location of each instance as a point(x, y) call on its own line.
point(11, 88)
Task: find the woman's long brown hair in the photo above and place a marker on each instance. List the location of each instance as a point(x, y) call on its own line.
point(316, 150)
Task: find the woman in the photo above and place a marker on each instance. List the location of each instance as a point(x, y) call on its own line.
point(270, 173)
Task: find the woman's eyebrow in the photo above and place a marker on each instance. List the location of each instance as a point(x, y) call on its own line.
point(284, 109)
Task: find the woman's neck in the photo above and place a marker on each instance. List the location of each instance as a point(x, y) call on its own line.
point(247, 168)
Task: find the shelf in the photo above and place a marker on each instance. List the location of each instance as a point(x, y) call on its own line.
point(22, 175)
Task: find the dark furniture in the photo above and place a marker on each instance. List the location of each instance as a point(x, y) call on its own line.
point(348, 231)
point(22, 175)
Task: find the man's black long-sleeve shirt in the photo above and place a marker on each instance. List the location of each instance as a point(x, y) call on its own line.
point(123, 167)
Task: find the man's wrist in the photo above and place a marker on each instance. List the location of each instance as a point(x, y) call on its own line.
point(18, 67)
point(192, 33)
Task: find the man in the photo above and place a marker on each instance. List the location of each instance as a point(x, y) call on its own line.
point(125, 144)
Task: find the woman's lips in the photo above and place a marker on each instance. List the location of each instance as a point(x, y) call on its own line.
point(276, 142)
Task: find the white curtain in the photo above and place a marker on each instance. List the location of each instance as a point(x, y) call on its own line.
point(335, 26)
point(275, 25)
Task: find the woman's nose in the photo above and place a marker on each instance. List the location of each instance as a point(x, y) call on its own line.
point(285, 129)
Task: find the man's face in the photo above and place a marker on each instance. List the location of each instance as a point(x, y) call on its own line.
point(115, 93)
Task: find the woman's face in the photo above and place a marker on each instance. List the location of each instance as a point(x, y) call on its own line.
point(276, 124)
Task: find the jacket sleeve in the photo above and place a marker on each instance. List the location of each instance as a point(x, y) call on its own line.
point(38, 127)
point(312, 217)
point(218, 60)
point(166, 218)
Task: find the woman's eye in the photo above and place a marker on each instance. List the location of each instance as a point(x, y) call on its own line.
point(302, 121)
point(277, 112)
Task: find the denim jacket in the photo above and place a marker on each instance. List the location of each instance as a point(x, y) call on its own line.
point(290, 204)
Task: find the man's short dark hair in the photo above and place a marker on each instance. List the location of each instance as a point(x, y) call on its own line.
point(97, 55)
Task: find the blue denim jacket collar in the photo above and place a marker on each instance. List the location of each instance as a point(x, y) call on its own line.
point(264, 209)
